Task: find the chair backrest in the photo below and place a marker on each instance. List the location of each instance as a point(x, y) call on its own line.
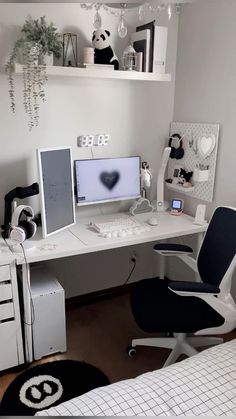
point(219, 246)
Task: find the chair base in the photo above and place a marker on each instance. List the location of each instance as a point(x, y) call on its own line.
point(180, 344)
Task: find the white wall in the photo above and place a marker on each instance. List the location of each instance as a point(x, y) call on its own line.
point(205, 81)
point(135, 114)
point(205, 89)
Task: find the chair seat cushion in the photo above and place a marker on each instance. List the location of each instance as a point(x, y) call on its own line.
point(158, 309)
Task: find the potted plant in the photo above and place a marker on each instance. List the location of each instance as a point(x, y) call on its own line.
point(44, 34)
point(39, 39)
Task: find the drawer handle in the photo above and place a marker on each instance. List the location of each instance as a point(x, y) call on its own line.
point(9, 319)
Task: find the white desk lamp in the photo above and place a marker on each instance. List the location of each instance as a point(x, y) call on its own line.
point(161, 204)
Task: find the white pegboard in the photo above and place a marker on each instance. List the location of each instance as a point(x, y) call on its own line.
point(192, 132)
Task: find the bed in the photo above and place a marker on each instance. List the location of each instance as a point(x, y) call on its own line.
point(204, 384)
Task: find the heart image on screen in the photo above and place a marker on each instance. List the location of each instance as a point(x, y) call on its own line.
point(110, 179)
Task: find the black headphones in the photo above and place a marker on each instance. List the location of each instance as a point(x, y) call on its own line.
point(176, 153)
point(22, 229)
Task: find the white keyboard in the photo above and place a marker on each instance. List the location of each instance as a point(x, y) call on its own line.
point(120, 227)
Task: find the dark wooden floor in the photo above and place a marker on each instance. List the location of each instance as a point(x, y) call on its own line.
point(99, 333)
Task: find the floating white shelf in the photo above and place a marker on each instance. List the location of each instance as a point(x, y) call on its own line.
point(178, 188)
point(99, 74)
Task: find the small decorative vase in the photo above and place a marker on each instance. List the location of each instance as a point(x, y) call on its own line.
point(88, 55)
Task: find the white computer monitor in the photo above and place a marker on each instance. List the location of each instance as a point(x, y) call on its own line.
point(56, 189)
point(107, 180)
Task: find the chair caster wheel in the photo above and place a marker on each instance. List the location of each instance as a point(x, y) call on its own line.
point(131, 351)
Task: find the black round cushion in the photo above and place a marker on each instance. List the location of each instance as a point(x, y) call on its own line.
point(48, 385)
point(158, 309)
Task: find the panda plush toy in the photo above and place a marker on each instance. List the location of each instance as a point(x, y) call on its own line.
point(103, 52)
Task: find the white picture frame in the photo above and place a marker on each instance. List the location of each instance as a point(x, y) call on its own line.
point(175, 177)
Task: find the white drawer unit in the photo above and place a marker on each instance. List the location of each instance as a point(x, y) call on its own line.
point(6, 311)
point(5, 292)
point(11, 344)
point(5, 273)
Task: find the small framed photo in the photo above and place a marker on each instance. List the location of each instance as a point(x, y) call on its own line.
point(175, 175)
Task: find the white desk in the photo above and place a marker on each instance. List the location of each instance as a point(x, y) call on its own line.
point(82, 239)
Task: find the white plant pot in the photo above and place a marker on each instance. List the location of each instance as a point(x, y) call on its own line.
point(46, 59)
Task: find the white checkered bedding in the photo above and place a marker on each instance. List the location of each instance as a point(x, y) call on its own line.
point(204, 384)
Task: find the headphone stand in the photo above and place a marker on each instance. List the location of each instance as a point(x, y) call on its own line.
point(162, 205)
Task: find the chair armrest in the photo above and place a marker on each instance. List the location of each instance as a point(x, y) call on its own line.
point(193, 288)
point(171, 249)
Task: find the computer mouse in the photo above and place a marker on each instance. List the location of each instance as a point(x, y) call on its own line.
point(152, 221)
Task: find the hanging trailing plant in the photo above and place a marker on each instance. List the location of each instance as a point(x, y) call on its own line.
point(34, 79)
point(39, 38)
point(9, 67)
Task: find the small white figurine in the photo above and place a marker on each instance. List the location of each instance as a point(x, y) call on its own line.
point(146, 175)
point(143, 204)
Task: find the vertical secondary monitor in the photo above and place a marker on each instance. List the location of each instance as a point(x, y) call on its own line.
point(107, 180)
point(56, 189)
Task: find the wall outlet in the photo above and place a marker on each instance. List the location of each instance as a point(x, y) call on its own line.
point(133, 256)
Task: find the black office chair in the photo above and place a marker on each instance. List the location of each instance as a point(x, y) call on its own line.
point(183, 308)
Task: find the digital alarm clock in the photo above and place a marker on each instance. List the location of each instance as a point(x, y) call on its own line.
point(177, 206)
